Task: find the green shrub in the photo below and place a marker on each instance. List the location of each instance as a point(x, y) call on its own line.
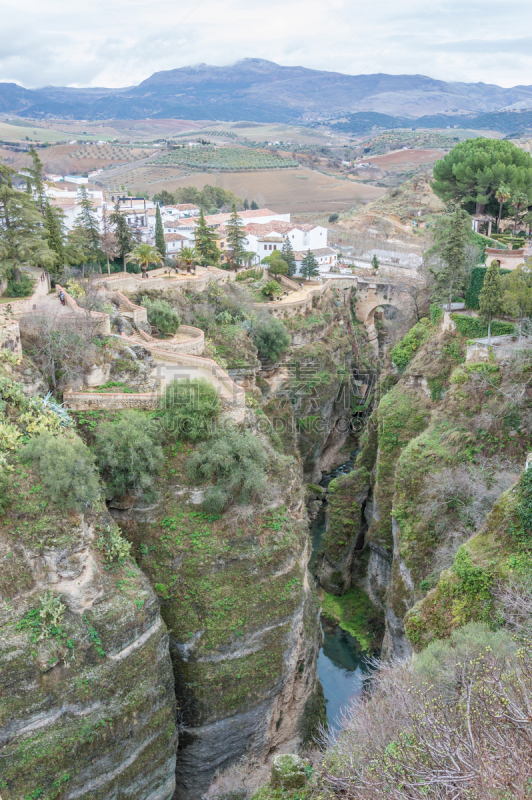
point(66, 470)
point(235, 464)
point(475, 285)
point(189, 408)
point(436, 313)
point(271, 288)
point(162, 315)
point(247, 274)
point(404, 351)
point(127, 454)
point(270, 337)
point(474, 328)
point(22, 289)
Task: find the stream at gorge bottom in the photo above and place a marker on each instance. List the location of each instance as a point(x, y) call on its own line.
point(343, 667)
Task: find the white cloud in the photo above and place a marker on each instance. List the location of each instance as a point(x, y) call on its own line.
point(122, 42)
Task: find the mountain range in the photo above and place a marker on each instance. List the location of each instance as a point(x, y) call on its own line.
point(262, 91)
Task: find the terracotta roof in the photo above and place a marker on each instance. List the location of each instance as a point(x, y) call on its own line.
point(217, 219)
point(186, 207)
point(171, 224)
point(174, 237)
point(318, 251)
point(276, 226)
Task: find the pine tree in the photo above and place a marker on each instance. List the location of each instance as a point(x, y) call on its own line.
point(452, 235)
point(123, 233)
point(287, 253)
point(78, 249)
point(160, 244)
point(517, 299)
point(236, 239)
point(89, 221)
point(254, 206)
point(54, 232)
point(246, 205)
point(35, 181)
point(108, 243)
point(206, 242)
point(22, 234)
point(309, 266)
point(375, 262)
point(490, 297)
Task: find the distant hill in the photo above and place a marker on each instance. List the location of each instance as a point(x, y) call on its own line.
point(259, 90)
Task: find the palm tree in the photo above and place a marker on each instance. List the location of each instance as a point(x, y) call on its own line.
point(189, 256)
point(502, 194)
point(144, 255)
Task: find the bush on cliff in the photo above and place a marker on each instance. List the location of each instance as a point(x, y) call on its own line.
point(128, 454)
point(404, 351)
point(271, 338)
point(189, 409)
point(162, 315)
point(234, 464)
point(401, 741)
point(65, 468)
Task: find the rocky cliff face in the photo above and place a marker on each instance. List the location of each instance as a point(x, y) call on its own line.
point(441, 447)
point(235, 595)
point(87, 707)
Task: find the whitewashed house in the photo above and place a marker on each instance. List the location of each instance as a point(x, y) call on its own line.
point(175, 242)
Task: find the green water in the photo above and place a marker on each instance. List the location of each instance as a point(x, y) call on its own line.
point(342, 665)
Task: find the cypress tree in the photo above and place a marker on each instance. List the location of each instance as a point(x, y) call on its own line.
point(288, 256)
point(490, 297)
point(54, 235)
point(236, 238)
point(206, 242)
point(309, 266)
point(89, 221)
point(160, 244)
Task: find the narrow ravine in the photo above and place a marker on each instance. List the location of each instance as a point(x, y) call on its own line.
point(343, 666)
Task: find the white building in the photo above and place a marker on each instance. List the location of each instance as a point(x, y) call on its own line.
point(263, 239)
point(68, 202)
point(259, 215)
point(325, 256)
point(175, 243)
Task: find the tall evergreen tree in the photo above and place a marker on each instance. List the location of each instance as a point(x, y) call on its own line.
point(490, 297)
point(254, 206)
point(160, 244)
point(245, 204)
point(288, 256)
point(35, 181)
point(108, 242)
point(54, 233)
point(78, 249)
point(89, 221)
point(206, 242)
point(309, 265)
point(236, 239)
point(517, 298)
point(452, 236)
point(123, 233)
point(22, 234)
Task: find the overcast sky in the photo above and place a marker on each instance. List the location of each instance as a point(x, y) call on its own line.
point(121, 42)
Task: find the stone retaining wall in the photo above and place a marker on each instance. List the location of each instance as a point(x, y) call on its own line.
point(193, 346)
point(126, 282)
point(10, 336)
point(102, 322)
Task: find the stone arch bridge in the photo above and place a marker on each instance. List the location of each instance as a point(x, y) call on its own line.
point(374, 291)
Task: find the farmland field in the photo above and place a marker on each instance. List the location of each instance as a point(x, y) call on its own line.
point(287, 191)
point(224, 158)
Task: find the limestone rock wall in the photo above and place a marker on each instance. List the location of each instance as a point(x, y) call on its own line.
point(87, 708)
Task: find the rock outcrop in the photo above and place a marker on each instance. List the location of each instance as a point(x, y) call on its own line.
point(241, 614)
point(87, 708)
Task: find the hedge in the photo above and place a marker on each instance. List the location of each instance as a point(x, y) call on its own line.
point(475, 285)
point(474, 328)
